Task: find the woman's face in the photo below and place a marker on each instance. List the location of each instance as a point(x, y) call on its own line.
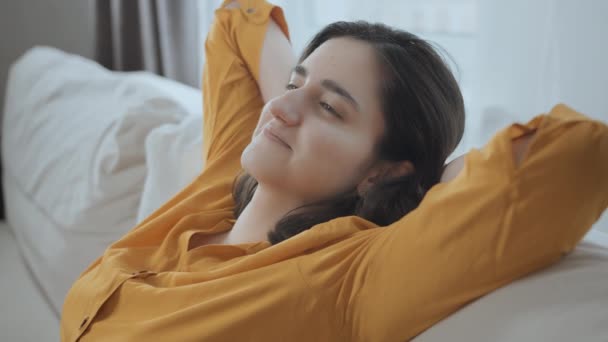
point(330, 120)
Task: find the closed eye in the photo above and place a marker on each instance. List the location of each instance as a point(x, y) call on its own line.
point(324, 105)
point(330, 109)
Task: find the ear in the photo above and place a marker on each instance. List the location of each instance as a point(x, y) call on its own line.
point(385, 170)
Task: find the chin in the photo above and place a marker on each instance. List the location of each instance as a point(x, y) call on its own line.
point(263, 168)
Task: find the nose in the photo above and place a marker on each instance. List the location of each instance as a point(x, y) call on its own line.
point(285, 109)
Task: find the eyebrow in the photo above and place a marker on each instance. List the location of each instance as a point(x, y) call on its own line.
point(330, 85)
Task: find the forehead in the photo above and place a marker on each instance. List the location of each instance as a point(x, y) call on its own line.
point(352, 64)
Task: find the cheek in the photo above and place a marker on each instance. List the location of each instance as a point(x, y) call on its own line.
point(338, 156)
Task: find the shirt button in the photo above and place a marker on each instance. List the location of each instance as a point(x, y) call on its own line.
point(86, 319)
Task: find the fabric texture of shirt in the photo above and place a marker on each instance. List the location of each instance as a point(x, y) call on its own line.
point(346, 279)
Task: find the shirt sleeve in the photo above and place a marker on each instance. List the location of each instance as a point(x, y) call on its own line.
point(232, 103)
point(492, 224)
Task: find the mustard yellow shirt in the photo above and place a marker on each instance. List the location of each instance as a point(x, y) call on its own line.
point(346, 279)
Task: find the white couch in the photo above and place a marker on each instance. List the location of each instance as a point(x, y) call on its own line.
point(87, 153)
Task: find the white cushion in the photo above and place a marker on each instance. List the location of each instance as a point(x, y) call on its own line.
point(173, 159)
point(74, 136)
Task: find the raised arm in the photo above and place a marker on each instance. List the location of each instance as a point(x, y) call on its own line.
point(519, 148)
point(518, 205)
point(276, 62)
point(247, 38)
point(248, 58)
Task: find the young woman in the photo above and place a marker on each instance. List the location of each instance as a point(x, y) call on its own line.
point(308, 222)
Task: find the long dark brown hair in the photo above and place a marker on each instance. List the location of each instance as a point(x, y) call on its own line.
point(424, 122)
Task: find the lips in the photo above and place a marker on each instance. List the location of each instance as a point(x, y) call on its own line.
point(273, 135)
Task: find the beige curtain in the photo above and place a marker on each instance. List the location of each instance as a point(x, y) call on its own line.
point(161, 36)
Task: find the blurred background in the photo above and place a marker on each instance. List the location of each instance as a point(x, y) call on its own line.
point(513, 60)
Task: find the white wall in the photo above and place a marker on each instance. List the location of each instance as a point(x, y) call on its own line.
point(534, 54)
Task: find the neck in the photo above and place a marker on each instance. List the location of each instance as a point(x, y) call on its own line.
point(260, 216)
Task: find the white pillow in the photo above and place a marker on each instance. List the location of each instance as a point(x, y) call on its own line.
point(74, 135)
point(565, 302)
point(173, 159)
